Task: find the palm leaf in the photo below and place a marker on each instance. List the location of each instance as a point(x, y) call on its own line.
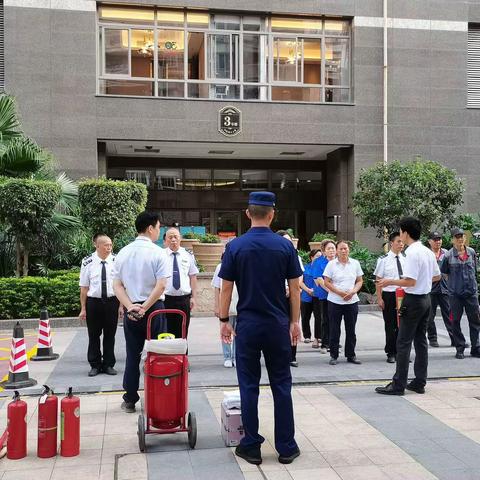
point(21, 156)
point(9, 124)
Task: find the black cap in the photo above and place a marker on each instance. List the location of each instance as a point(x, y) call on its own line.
point(457, 231)
point(434, 235)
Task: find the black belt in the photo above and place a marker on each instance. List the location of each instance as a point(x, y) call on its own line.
point(108, 299)
point(417, 295)
point(179, 296)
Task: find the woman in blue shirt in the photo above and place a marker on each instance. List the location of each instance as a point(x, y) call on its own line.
point(306, 296)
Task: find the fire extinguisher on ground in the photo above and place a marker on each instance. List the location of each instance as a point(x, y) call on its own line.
point(70, 425)
point(17, 428)
point(47, 424)
point(399, 296)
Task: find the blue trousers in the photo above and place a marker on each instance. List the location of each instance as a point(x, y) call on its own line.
point(135, 335)
point(273, 340)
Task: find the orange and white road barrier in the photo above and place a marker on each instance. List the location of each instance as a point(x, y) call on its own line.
point(44, 344)
point(18, 369)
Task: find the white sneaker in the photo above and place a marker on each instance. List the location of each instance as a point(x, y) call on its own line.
point(228, 363)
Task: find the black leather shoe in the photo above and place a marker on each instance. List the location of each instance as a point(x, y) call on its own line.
point(354, 360)
point(250, 455)
point(414, 387)
point(391, 359)
point(333, 361)
point(109, 370)
point(460, 355)
point(389, 390)
point(475, 354)
point(93, 372)
point(290, 458)
point(128, 407)
point(434, 343)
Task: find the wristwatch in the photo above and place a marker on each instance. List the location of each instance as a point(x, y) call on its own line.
point(224, 320)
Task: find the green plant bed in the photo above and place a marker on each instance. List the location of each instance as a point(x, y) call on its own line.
point(209, 238)
point(320, 237)
point(24, 297)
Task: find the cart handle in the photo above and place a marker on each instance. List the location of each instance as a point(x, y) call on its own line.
point(169, 310)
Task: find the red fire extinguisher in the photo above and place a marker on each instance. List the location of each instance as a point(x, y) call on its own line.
point(70, 425)
point(47, 424)
point(399, 296)
point(17, 428)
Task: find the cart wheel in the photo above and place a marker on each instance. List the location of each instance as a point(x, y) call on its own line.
point(141, 433)
point(192, 429)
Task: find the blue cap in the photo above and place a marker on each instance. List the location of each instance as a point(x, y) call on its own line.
point(262, 198)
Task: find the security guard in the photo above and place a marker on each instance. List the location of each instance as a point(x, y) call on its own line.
point(140, 276)
point(259, 262)
point(390, 265)
point(99, 305)
point(181, 289)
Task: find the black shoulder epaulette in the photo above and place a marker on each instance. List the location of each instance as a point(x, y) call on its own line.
point(88, 259)
point(189, 251)
point(385, 255)
point(404, 254)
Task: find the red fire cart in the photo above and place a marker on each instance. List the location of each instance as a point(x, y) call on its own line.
point(166, 387)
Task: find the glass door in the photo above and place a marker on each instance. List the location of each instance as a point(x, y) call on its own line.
point(228, 224)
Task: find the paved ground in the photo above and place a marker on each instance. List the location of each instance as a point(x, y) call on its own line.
point(344, 429)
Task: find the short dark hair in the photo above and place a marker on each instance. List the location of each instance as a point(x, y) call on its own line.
point(393, 236)
point(347, 243)
point(325, 242)
point(313, 252)
point(282, 233)
point(145, 220)
point(259, 211)
point(412, 226)
point(98, 235)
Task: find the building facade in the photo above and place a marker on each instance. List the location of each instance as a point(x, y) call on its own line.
point(207, 100)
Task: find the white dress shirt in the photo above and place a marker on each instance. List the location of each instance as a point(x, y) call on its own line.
point(139, 266)
point(422, 266)
point(91, 275)
point(343, 276)
point(186, 266)
point(387, 268)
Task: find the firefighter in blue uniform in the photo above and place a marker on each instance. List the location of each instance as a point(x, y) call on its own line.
point(258, 263)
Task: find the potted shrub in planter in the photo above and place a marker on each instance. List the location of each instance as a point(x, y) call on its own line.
point(189, 239)
point(208, 251)
point(318, 238)
point(293, 237)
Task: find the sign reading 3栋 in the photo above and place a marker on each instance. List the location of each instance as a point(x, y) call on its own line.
point(230, 121)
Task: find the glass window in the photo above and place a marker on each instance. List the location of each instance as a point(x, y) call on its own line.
point(296, 25)
point(191, 218)
point(140, 176)
point(284, 219)
point(226, 22)
point(309, 180)
point(337, 27)
point(254, 180)
point(171, 50)
point(285, 60)
point(126, 87)
point(168, 179)
point(198, 90)
point(225, 91)
point(337, 95)
point(337, 61)
point(197, 20)
point(116, 51)
point(168, 218)
point(312, 61)
point(171, 89)
point(142, 48)
point(255, 58)
point(252, 92)
point(198, 179)
point(297, 94)
point(284, 180)
point(196, 55)
point(126, 15)
point(226, 179)
point(253, 24)
point(223, 56)
point(170, 18)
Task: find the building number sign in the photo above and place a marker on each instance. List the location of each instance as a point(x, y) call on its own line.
point(230, 121)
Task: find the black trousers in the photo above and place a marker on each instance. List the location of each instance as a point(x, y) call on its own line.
point(349, 314)
point(174, 321)
point(135, 335)
point(470, 305)
point(306, 310)
point(390, 320)
point(414, 315)
point(317, 314)
point(102, 317)
point(325, 323)
point(439, 299)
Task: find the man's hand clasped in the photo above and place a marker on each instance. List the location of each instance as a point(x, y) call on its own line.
point(135, 313)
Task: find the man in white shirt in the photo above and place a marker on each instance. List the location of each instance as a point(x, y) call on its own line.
point(140, 277)
point(421, 269)
point(181, 289)
point(390, 266)
point(99, 306)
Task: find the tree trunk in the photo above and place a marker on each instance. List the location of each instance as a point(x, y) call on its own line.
point(25, 261)
point(19, 269)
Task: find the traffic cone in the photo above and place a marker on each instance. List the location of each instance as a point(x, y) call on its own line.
point(18, 368)
point(44, 344)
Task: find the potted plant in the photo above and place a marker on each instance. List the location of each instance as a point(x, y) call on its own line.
point(318, 238)
point(293, 237)
point(208, 251)
point(189, 239)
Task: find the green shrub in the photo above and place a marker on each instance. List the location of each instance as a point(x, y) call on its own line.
point(111, 206)
point(209, 238)
point(303, 254)
point(191, 236)
point(320, 237)
point(368, 262)
point(24, 297)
